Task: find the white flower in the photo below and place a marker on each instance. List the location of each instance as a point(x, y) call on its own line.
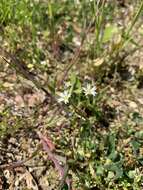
point(68, 84)
point(89, 90)
point(43, 62)
point(76, 41)
point(64, 97)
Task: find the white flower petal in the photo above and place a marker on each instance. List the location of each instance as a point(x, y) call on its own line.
point(64, 97)
point(89, 90)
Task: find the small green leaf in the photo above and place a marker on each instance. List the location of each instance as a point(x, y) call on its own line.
point(135, 145)
point(109, 32)
point(112, 154)
point(73, 78)
point(115, 167)
point(78, 87)
point(100, 170)
point(131, 174)
point(111, 175)
point(139, 134)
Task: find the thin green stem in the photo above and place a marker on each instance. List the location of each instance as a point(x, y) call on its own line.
point(135, 19)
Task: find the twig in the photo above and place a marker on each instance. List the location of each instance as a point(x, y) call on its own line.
point(26, 74)
point(21, 163)
point(14, 62)
point(75, 57)
point(63, 171)
point(62, 182)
